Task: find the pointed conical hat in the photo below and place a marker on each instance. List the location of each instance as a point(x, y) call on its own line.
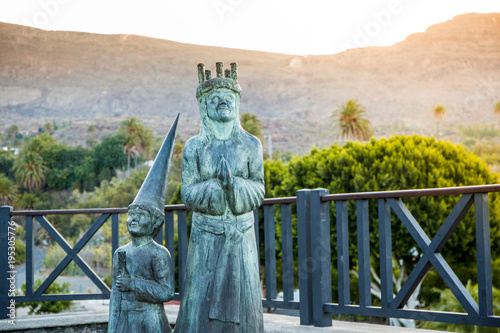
point(154, 189)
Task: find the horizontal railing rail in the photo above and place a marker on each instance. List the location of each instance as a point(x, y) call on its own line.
point(68, 211)
point(413, 193)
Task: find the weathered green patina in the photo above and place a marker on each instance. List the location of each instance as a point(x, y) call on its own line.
point(222, 182)
point(142, 269)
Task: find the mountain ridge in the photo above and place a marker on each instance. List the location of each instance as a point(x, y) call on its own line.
point(89, 78)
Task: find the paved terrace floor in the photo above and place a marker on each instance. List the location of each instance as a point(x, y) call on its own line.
point(273, 323)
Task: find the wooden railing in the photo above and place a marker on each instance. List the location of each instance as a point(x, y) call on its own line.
point(319, 308)
point(313, 259)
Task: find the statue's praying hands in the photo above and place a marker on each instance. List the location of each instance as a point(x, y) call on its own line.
point(224, 174)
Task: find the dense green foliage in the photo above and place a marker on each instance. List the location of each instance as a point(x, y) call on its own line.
point(488, 152)
point(448, 302)
point(398, 163)
point(138, 139)
point(476, 133)
point(484, 141)
point(45, 164)
point(20, 252)
point(252, 124)
point(67, 167)
point(114, 193)
point(40, 308)
point(30, 170)
point(8, 190)
point(111, 194)
point(62, 167)
point(108, 157)
point(7, 160)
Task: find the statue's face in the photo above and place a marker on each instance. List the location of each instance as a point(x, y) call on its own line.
point(221, 105)
point(139, 222)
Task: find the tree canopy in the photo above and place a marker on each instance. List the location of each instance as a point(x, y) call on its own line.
point(30, 170)
point(8, 190)
point(138, 139)
point(44, 163)
point(397, 163)
point(108, 156)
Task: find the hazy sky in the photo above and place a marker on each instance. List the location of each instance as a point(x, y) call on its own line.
point(285, 26)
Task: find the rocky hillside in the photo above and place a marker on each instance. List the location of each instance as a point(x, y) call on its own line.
point(103, 79)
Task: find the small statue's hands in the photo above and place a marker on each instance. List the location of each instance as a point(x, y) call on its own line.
point(125, 283)
point(224, 174)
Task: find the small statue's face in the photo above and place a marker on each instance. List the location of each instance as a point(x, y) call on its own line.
point(139, 222)
point(221, 105)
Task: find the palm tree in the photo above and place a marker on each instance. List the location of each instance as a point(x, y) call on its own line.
point(39, 143)
point(92, 129)
point(30, 170)
point(497, 107)
point(439, 112)
point(8, 190)
point(27, 201)
point(12, 133)
point(48, 128)
point(139, 139)
point(350, 121)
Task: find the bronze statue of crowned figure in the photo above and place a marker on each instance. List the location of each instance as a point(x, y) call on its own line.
point(222, 182)
point(142, 269)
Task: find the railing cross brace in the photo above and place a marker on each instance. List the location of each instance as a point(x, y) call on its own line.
point(72, 254)
point(431, 254)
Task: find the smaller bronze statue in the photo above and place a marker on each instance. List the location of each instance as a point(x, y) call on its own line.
point(142, 269)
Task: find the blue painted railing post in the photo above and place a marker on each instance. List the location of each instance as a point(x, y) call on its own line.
point(483, 245)
point(343, 253)
point(304, 254)
point(4, 261)
point(385, 241)
point(362, 217)
point(321, 256)
point(270, 251)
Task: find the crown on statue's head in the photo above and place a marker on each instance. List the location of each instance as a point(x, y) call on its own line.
point(207, 83)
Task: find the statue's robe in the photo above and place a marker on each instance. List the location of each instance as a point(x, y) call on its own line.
point(222, 292)
point(141, 310)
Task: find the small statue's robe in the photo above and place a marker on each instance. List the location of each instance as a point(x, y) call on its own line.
point(222, 290)
point(141, 310)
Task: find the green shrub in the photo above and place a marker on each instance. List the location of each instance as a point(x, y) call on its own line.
point(20, 252)
point(39, 308)
point(54, 256)
point(448, 302)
